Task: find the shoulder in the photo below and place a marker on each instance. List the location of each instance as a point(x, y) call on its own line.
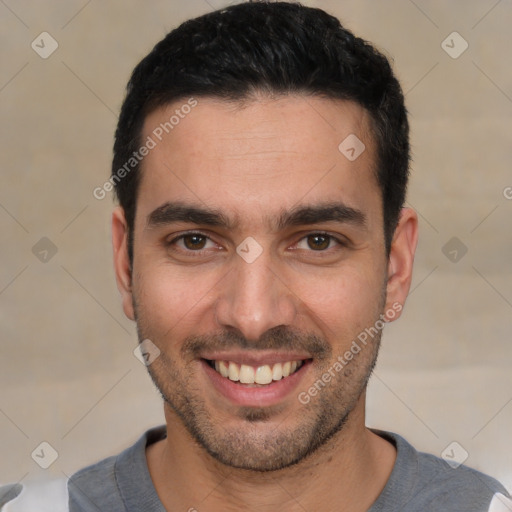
point(424, 482)
point(90, 487)
point(461, 484)
point(114, 483)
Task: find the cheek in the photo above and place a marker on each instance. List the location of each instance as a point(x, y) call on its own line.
point(343, 302)
point(171, 301)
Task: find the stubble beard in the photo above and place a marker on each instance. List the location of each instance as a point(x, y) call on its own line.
point(259, 442)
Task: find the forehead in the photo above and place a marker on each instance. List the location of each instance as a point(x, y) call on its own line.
point(259, 157)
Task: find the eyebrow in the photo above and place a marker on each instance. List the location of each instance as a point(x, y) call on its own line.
point(330, 212)
point(171, 212)
point(178, 212)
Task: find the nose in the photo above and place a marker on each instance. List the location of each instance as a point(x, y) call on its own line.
point(255, 297)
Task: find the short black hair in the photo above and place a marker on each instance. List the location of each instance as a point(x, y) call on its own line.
point(275, 48)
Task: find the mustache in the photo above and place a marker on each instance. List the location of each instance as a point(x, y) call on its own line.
point(277, 338)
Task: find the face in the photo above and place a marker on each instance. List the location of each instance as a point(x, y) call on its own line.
point(259, 258)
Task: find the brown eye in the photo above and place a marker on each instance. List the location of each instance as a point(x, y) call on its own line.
point(194, 242)
point(318, 242)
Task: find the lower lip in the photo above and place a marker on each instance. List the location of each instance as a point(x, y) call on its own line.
point(257, 396)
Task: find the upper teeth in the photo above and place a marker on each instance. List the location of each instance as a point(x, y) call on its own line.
point(260, 375)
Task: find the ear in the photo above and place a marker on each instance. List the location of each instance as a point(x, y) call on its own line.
point(401, 259)
point(122, 264)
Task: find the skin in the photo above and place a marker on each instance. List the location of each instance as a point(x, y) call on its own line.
point(253, 162)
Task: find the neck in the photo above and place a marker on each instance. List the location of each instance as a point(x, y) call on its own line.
point(346, 473)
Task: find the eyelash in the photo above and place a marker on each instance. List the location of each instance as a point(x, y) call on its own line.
point(331, 238)
point(184, 235)
point(200, 252)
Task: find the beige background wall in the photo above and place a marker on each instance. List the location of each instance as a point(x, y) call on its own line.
point(67, 372)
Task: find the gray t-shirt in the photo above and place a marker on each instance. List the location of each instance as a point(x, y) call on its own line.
point(418, 483)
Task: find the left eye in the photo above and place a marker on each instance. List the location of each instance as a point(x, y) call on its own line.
point(317, 242)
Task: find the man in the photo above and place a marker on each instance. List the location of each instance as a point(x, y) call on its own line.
point(261, 163)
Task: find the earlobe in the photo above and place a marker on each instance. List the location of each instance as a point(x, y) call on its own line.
point(122, 264)
point(401, 259)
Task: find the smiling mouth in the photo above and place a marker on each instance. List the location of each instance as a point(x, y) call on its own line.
point(260, 375)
